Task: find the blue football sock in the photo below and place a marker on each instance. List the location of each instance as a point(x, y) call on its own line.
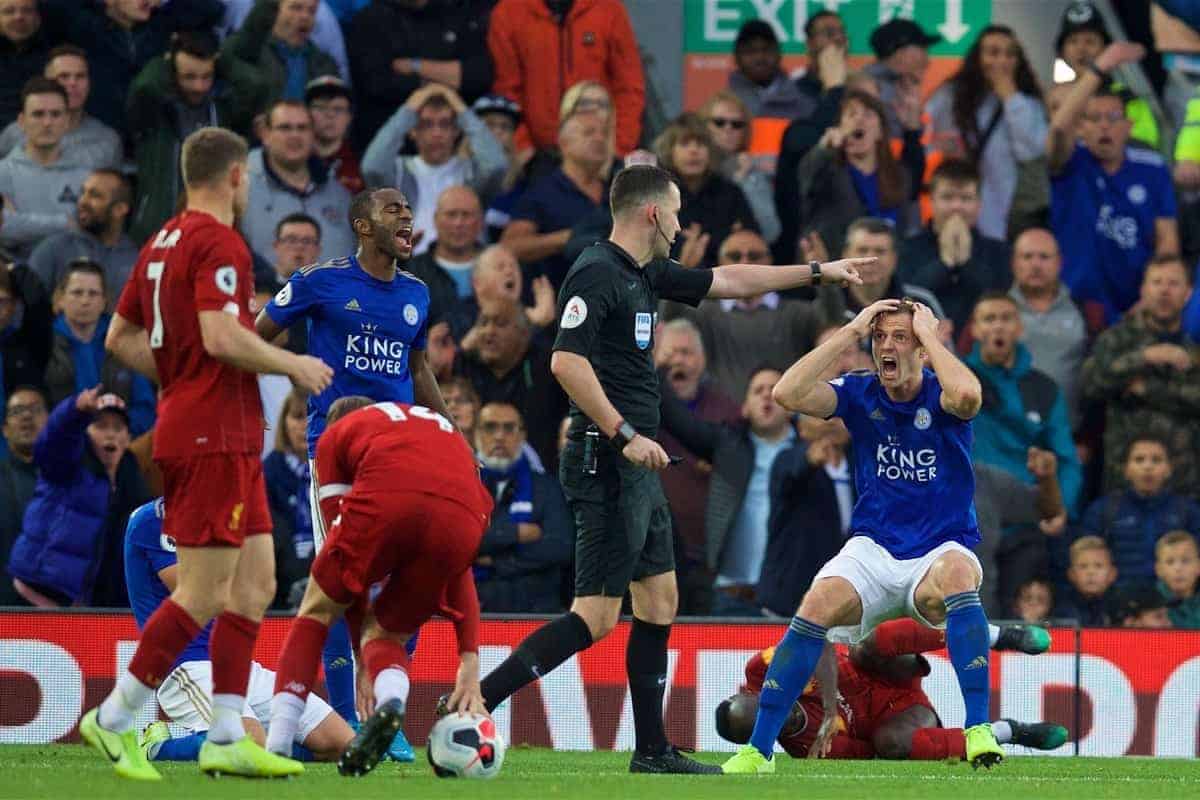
point(793, 664)
point(338, 659)
point(411, 645)
point(302, 753)
point(967, 640)
point(182, 748)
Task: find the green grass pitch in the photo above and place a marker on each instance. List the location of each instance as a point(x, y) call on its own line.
point(69, 771)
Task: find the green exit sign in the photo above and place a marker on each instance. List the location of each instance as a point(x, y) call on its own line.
point(710, 26)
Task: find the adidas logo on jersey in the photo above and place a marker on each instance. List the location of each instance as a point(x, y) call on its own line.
point(877, 415)
point(979, 662)
point(353, 305)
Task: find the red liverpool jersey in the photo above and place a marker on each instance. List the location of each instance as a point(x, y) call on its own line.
point(193, 264)
point(390, 445)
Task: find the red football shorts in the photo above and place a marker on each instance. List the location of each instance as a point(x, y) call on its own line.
point(420, 540)
point(886, 701)
point(214, 500)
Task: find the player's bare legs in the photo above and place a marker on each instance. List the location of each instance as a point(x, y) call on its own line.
point(830, 602)
point(949, 591)
point(329, 738)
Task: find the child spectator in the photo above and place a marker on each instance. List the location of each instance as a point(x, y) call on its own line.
point(991, 113)
point(1142, 607)
point(1088, 597)
point(1035, 598)
point(1132, 520)
point(1177, 564)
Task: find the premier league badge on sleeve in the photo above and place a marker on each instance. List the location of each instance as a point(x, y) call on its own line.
point(643, 326)
point(923, 419)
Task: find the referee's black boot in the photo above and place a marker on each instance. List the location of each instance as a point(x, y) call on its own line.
point(671, 761)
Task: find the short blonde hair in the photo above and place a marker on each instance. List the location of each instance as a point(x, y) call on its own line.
point(570, 99)
point(1085, 543)
point(726, 96)
point(1173, 538)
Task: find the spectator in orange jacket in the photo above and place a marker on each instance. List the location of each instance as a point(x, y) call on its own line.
point(540, 48)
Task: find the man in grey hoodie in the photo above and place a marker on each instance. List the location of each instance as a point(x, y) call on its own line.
point(286, 177)
point(434, 116)
point(39, 183)
point(87, 139)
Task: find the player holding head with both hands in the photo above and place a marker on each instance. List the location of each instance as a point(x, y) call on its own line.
point(912, 527)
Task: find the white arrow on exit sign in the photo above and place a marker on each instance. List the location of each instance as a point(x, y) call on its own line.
point(953, 29)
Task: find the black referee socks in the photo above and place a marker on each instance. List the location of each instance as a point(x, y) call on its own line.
point(646, 664)
point(542, 651)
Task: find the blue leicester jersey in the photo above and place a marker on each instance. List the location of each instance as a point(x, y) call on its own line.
point(912, 466)
point(148, 551)
point(362, 327)
point(1105, 224)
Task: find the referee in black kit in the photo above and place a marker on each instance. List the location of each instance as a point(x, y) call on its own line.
point(607, 309)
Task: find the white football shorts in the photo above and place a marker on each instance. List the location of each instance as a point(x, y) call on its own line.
point(885, 585)
point(186, 697)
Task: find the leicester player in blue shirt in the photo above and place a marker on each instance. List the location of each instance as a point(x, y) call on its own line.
point(186, 693)
point(912, 527)
point(369, 320)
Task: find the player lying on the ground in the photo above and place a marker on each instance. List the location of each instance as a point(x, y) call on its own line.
point(151, 571)
point(882, 710)
point(401, 495)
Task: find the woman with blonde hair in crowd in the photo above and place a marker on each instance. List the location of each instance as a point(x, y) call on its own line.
point(713, 206)
point(285, 470)
point(728, 121)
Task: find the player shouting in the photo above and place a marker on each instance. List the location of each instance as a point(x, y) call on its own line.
point(183, 320)
point(401, 493)
point(369, 320)
point(912, 527)
point(884, 712)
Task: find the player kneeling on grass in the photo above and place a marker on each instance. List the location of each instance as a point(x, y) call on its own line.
point(403, 505)
point(912, 528)
point(883, 711)
point(151, 574)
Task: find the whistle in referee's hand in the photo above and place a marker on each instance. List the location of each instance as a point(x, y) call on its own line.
point(673, 460)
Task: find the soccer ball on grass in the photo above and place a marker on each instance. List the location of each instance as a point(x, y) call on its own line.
point(465, 746)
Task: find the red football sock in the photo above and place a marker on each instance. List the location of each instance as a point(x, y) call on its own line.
point(381, 654)
point(300, 656)
point(905, 636)
point(166, 633)
point(938, 744)
point(231, 648)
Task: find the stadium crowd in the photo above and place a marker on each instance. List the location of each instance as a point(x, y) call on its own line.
point(1042, 225)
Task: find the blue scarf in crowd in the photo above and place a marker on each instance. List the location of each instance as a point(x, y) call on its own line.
point(87, 357)
point(518, 480)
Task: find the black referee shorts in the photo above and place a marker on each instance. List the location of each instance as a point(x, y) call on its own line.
point(622, 522)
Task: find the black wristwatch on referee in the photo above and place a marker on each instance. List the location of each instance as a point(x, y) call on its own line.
point(815, 266)
point(623, 436)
